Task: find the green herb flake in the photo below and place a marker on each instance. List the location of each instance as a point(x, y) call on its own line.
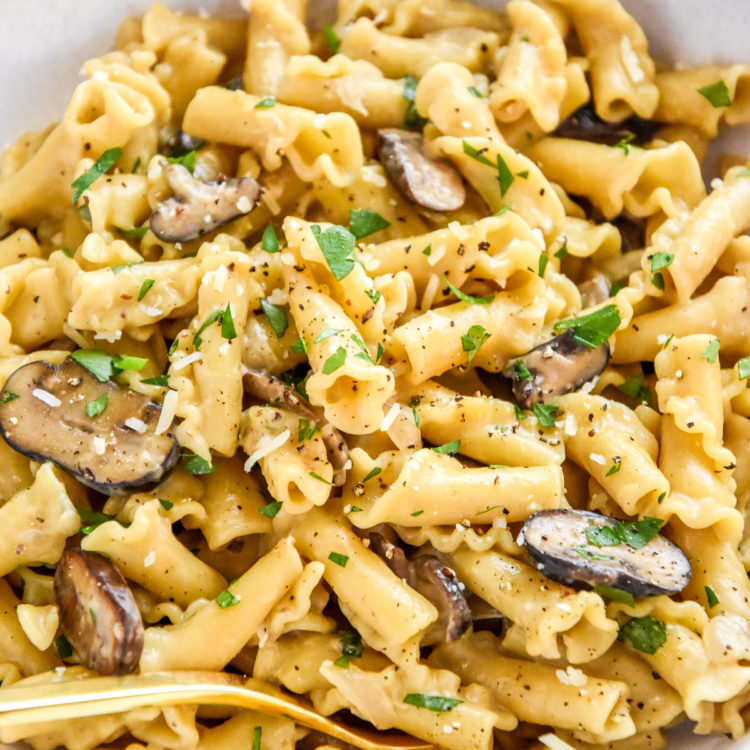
point(374, 295)
point(717, 94)
point(472, 340)
point(427, 250)
point(545, 413)
point(67, 252)
point(519, 412)
point(522, 371)
point(332, 38)
point(145, 286)
point(636, 389)
point(448, 449)
point(616, 466)
point(713, 600)
point(413, 406)
point(351, 644)
point(101, 166)
point(476, 154)
point(299, 346)
point(166, 504)
point(364, 222)
point(160, 380)
point(562, 252)
point(126, 362)
point(466, 297)
point(136, 164)
point(97, 406)
point(211, 319)
point(269, 241)
point(306, 429)
point(364, 352)
point(317, 476)
point(661, 497)
point(412, 119)
point(276, 315)
point(616, 286)
point(543, 260)
point(326, 333)
point(645, 634)
point(711, 352)
point(661, 260)
point(432, 702)
point(372, 473)
point(505, 177)
point(743, 368)
point(85, 213)
point(523, 175)
point(615, 594)
point(525, 38)
point(338, 558)
point(657, 279)
point(7, 396)
point(228, 330)
point(257, 735)
point(64, 649)
point(625, 142)
point(474, 91)
point(265, 103)
point(635, 534)
point(334, 361)
point(588, 554)
point(337, 246)
point(197, 465)
point(416, 513)
point(134, 233)
point(91, 519)
point(270, 510)
point(96, 361)
point(342, 662)
point(594, 329)
point(226, 599)
point(187, 160)
point(666, 343)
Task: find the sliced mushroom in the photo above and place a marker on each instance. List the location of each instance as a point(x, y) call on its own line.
point(98, 613)
point(435, 581)
point(587, 125)
point(432, 183)
point(271, 390)
point(199, 207)
point(43, 414)
point(180, 143)
point(594, 288)
point(555, 367)
point(557, 543)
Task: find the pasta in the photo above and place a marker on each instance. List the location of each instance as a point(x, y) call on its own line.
point(399, 366)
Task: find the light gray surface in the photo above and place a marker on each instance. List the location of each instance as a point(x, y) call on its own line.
point(44, 43)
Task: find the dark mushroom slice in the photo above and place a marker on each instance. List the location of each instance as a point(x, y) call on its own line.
point(585, 124)
point(98, 613)
point(180, 143)
point(433, 579)
point(268, 389)
point(557, 543)
point(432, 183)
point(555, 367)
point(43, 414)
point(198, 207)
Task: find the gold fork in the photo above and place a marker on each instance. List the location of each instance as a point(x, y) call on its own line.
point(104, 695)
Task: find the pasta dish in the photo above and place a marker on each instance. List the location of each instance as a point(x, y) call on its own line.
point(399, 365)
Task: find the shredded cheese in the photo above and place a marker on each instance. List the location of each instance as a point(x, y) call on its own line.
point(168, 410)
point(266, 445)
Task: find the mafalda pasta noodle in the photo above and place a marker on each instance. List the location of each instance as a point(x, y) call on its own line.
point(420, 279)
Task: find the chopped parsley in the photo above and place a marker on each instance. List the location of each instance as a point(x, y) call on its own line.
point(412, 119)
point(545, 413)
point(332, 38)
point(197, 465)
point(519, 412)
point(374, 295)
point(562, 252)
point(145, 286)
point(97, 406)
point(7, 396)
point(372, 473)
point(103, 366)
point(416, 513)
point(364, 352)
point(432, 702)
point(134, 233)
point(270, 510)
point(474, 91)
point(338, 558)
point(504, 175)
point(615, 594)
point(166, 504)
point(466, 297)
point(594, 329)
point(337, 245)
point(661, 260)
point(717, 94)
point(616, 466)
point(743, 368)
point(636, 389)
point(64, 649)
point(85, 213)
point(91, 519)
point(257, 734)
point(186, 159)
point(472, 340)
point(448, 449)
point(625, 142)
point(101, 166)
point(276, 316)
point(543, 260)
point(363, 222)
point(427, 250)
point(711, 351)
point(317, 476)
point(126, 362)
point(226, 599)
point(326, 333)
point(227, 324)
point(269, 241)
point(334, 361)
point(67, 252)
point(635, 534)
point(266, 103)
point(351, 644)
point(299, 346)
point(212, 318)
point(160, 380)
point(306, 429)
point(713, 600)
point(583, 552)
point(522, 371)
point(645, 634)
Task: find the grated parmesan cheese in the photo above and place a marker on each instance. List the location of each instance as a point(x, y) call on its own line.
point(390, 417)
point(430, 291)
point(135, 424)
point(553, 742)
point(100, 445)
point(111, 336)
point(244, 205)
point(150, 559)
point(266, 445)
point(185, 361)
point(46, 397)
point(597, 458)
point(168, 410)
point(571, 676)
